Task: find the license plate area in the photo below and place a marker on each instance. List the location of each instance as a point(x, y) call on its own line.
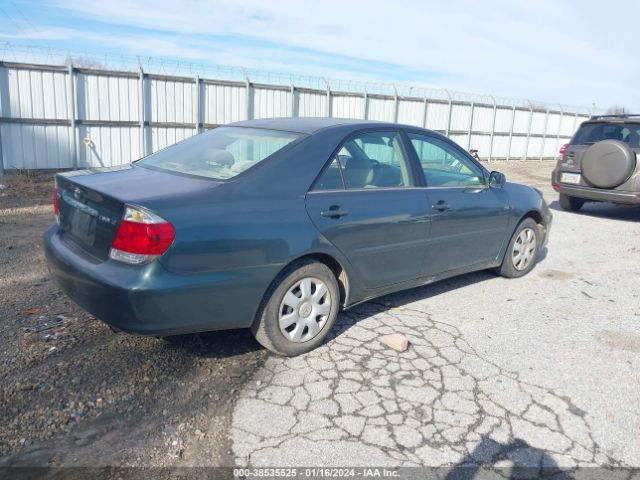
point(573, 178)
point(83, 227)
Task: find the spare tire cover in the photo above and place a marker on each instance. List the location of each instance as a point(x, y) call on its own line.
point(608, 164)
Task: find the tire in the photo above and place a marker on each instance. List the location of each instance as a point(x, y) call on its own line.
point(303, 280)
point(569, 203)
point(511, 268)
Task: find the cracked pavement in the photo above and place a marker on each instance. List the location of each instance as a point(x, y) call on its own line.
point(499, 372)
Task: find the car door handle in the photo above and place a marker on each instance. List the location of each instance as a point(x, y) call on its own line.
point(334, 211)
point(441, 206)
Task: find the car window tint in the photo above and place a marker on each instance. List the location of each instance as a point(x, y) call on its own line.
point(221, 153)
point(596, 132)
point(443, 164)
point(375, 160)
point(331, 178)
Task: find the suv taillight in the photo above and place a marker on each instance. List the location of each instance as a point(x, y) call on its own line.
point(141, 237)
point(563, 149)
point(56, 210)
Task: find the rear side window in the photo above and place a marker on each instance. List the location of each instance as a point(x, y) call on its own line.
point(221, 153)
point(368, 160)
point(589, 133)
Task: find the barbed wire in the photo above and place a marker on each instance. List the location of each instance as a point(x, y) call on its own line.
point(20, 53)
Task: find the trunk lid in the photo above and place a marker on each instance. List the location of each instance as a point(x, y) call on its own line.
point(91, 202)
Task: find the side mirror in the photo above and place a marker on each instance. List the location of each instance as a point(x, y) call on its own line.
point(497, 179)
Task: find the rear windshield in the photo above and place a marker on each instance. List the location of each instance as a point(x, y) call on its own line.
point(588, 133)
point(221, 153)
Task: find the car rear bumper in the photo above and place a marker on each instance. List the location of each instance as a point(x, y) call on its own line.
point(599, 194)
point(150, 300)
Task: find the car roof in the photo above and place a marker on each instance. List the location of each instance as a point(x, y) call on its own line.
point(309, 125)
point(621, 118)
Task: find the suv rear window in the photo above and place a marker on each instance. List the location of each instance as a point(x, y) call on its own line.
point(221, 153)
point(589, 133)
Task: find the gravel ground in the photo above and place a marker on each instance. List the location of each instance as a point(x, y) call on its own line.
point(535, 371)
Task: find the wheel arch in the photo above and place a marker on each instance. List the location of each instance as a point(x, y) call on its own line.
point(336, 267)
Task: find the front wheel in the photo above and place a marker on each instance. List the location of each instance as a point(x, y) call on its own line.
point(522, 251)
point(569, 203)
point(298, 310)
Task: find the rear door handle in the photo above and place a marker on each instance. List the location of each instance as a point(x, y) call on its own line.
point(334, 211)
point(441, 206)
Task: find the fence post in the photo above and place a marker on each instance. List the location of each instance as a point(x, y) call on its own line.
point(544, 135)
point(328, 97)
point(449, 114)
point(513, 121)
point(425, 111)
point(72, 117)
point(292, 105)
point(396, 103)
point(198, 100)
point(365, 105)
point(526, 144)
point(249, 109)
point(473, 106)
point(493, 127)
point(559, 129)
point(142, 114)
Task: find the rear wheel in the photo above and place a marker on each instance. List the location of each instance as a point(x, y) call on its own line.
point(522, 251)
point(299, 309)
point(569, 203)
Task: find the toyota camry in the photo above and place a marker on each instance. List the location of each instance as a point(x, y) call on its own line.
point(275, 225)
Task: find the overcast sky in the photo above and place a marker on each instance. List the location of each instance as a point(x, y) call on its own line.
point(574, 53)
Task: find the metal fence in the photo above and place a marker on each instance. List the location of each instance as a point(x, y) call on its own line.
point(62, 116)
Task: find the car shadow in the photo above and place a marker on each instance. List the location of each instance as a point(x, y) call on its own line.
point(526, 462)
point(215, 344)
point(604, 210)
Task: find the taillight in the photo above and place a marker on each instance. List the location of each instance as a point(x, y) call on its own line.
point(56, 209)
point(141, 237)
point(563, 149)
point(556, 186)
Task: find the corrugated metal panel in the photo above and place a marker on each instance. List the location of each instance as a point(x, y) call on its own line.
point(481, 143)
point(538, 122)
point(482, 119)
point(381, 109)
point(106, 98)
point(163, 137)
point(460, 117)
point(171, 101)
point(35, 146)
point(224, 104)
point(268, 103)
point(437, 115)
point(347, 106)
point(34, 94)
point(411, 112)
point(312, 104)
point(503, 120)
point(108, 146)
point(521, 122)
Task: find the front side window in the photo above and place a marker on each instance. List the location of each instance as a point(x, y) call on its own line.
point(374, 160)
point(221, 153)
point(443, 165)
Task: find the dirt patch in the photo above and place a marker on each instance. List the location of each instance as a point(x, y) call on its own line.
point(25, 190)
point(74, 393)
point(627, 341)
